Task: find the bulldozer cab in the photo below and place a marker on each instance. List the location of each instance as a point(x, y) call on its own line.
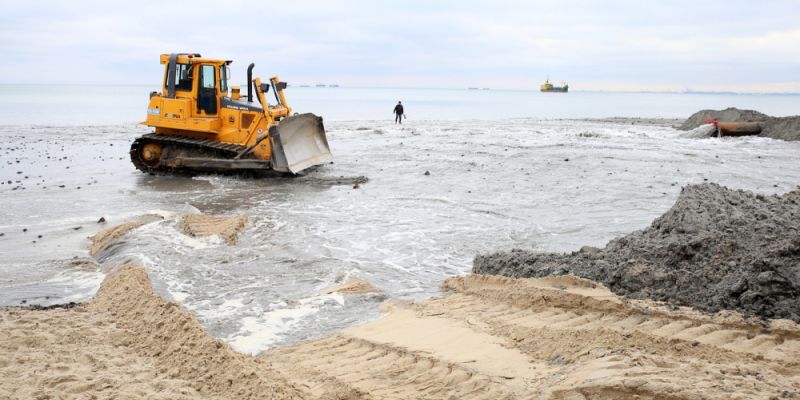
point(203, 81)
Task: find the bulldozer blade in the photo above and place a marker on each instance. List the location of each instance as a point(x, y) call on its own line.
point(299, 142)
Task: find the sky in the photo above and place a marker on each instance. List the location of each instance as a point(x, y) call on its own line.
point(740, 46)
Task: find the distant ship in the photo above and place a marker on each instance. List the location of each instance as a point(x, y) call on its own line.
point(548, 87)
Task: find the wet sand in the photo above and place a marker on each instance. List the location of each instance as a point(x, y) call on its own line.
point(226, 227)
point(101, 240)
point(484, 338)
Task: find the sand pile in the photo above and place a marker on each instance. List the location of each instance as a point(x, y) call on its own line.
point(715, 249)
point(786, 128)
point(178, 344)
point(71, 353)
point(227, 227)
point(101, 240)
point(492, 337)
point(127, 343)
point(730, 114)
point(352, 286)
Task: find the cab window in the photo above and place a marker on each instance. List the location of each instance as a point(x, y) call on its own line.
point(223, 79)
point(207, 75)
point(183, 77)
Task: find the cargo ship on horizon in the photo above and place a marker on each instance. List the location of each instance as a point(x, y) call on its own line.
point(548, 87)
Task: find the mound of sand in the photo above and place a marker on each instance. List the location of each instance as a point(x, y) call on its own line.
point(352, 286)
point(785, 128)
point(101, 240)
point(715, 249)
point(71, 354)
point(730, 114)
point(227, 227)
point(126, 343)
point(178, 344)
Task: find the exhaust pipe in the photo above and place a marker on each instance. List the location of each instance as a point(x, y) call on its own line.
point(250, 82)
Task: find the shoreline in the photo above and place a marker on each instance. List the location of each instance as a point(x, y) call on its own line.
point(654, 121)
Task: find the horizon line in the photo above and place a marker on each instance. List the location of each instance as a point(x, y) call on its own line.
point(470, 89)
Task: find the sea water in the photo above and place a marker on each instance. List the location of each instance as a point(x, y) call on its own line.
point(101, 105)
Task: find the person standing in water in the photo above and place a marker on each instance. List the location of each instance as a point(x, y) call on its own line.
point(398, 113)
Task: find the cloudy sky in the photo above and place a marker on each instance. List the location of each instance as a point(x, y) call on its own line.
point(733, 45)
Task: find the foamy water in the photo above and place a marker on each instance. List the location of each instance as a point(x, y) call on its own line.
point(536, 184)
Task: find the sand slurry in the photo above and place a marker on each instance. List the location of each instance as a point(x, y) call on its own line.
point(227, 227)
point(563, 337)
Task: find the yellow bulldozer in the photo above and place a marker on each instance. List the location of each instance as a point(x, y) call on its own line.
point(201, 128)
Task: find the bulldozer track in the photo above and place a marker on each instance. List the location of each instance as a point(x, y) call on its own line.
point(204, 146)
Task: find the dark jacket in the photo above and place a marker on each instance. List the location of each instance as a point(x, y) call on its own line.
point(398, 109)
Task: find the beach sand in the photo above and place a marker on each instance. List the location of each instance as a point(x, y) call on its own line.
point(485, 337)
point(126, 343)
point(226, 227)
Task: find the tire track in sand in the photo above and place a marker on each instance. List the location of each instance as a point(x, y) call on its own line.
point(560, 338)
